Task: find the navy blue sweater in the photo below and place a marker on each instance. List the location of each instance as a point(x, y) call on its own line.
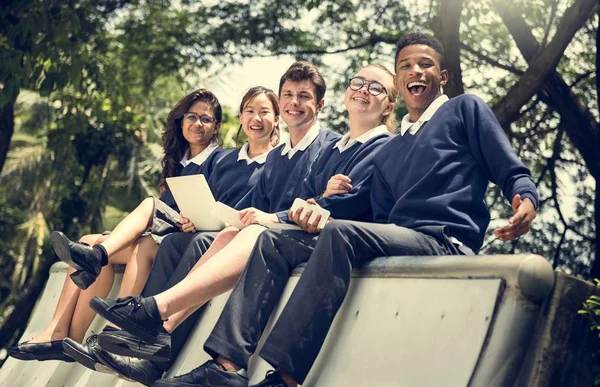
point(230, 180)
point(281, 180)
point(191, 169)
point(355, 162)
point(440, 175)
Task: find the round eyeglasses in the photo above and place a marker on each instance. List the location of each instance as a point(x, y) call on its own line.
point(204, 119)
point(373, 87)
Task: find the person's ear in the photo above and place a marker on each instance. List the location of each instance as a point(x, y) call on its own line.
point(444, 77)
point(389, 109)
point(320, 105)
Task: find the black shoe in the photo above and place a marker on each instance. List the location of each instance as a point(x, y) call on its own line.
point(210, 373)
point(130, 368)
point(273, 379)
point(84, 354)
point(79, 256)
point(124, 343)
point(137, 315)
point(51, 350)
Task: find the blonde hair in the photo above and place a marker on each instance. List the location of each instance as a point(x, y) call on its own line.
point(392, 93)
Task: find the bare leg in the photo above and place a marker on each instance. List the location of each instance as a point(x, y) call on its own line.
point(138, 266)
point(59, 326)
point(216, 277)
point(222, 239)
point(83, 314)
point(130, 228)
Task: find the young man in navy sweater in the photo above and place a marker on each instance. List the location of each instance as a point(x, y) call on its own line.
point(301, 97)
point(427, 198)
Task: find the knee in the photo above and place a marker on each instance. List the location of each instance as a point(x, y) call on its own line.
point(146, 248)
point(335, 229)
point(226, 235)
point(147, 203)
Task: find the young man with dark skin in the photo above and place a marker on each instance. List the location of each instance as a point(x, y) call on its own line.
point(427, 196)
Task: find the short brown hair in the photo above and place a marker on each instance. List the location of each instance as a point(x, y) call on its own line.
point(305, 71)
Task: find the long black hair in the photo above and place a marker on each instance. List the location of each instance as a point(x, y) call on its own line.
point(174, 144)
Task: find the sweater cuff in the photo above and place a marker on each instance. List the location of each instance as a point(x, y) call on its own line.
point(283, 216)
point(531, 197)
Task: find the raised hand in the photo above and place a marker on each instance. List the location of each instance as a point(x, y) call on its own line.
point(520, 222)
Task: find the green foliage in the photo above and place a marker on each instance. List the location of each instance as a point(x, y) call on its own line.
point(44, 44)
point(591, 309)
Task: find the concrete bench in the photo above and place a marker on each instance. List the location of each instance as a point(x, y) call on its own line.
point(406, 321)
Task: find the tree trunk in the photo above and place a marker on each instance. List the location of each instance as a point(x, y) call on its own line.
point(7, 128)
point(446, 28)
point(544, 62)
point(582, 129)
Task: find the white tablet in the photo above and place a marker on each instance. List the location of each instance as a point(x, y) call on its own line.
point(195, 201)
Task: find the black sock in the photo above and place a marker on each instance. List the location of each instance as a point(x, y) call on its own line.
point(102, 254)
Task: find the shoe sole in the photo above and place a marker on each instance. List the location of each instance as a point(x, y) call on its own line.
point(131, 347)
point(30, 356)
point(123, 322)
point(86, 360)
point(108, 364)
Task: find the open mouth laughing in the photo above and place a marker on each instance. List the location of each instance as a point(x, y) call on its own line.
point(416, 88)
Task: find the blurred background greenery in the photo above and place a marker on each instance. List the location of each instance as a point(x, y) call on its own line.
point(85, 87)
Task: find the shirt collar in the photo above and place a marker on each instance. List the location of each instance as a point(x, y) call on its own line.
point(243, 155)
point(346, 142)
point(200, 157)
point(413, 127)
point(302, 144)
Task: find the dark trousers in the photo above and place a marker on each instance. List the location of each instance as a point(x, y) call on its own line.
point(176, 256)
point(298, 335)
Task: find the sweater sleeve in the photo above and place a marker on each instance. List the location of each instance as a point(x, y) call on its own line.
point(308, 189)
point(382, 197)
point(494, 153)
point(360, 170)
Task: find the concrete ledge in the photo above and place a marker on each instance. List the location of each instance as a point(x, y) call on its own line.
point(409, 321)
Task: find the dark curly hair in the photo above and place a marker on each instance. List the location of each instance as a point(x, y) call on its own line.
point(414, 38)
point(253, 92)
point(174, 144)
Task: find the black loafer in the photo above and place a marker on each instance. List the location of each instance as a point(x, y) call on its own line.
point(126, 344)
point(130, 368)
point(51, 350)
point(79, 256)
point(137, 315)
point(210, 373)
point(273, 379)
point(84, 354)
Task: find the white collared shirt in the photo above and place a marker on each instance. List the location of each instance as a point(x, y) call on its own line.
point(200, 157)
point(346, 142)
point(243, 155)
point(302, 144)
point(413, 127)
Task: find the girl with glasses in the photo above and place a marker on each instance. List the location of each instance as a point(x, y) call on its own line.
point(339, 181)
point(187, 145)
point(191, 137)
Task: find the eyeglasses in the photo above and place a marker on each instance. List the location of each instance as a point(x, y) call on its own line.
point(204, 119)
point(374, 88)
